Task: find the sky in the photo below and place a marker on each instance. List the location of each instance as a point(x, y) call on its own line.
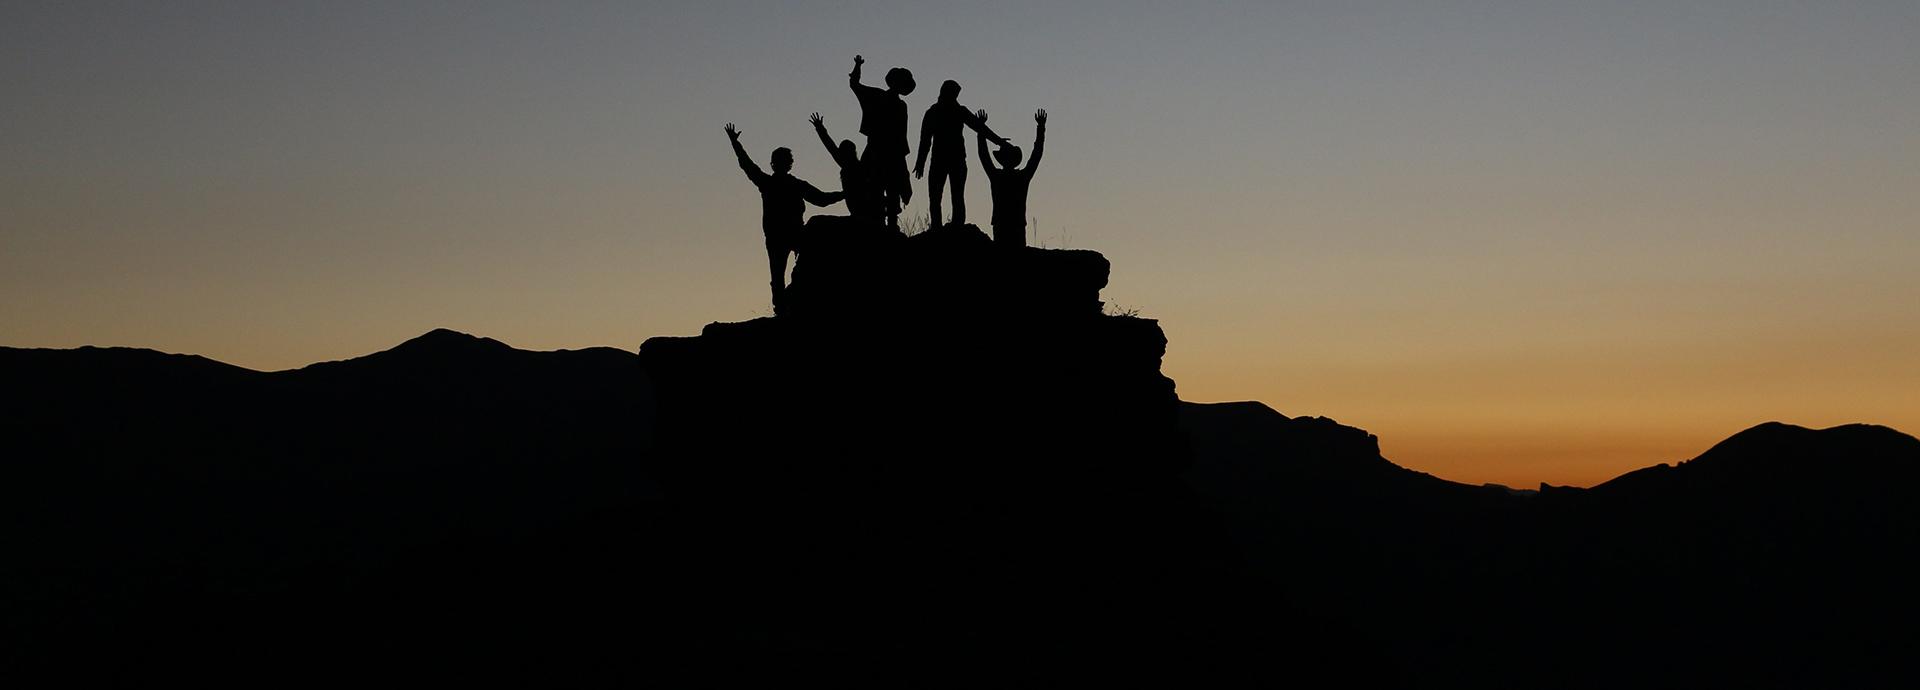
point(1521, 242)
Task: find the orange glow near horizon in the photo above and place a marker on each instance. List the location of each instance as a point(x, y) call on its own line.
point(1545, 244)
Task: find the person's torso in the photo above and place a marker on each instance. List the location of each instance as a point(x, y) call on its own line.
point(883, 118)
point(1010, 196)
point(782, 201)
point(944, 121)
point(853, 180)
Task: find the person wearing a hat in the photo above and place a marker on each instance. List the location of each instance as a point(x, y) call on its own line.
point(883, 118)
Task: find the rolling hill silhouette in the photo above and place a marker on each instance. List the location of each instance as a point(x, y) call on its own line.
point(1780, 557)
point(944, 463)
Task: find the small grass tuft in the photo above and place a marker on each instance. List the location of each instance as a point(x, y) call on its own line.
point(916, 224)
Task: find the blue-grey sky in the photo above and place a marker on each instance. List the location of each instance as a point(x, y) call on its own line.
point(1520, 241)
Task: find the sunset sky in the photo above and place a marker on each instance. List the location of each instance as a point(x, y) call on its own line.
point(1519, 241)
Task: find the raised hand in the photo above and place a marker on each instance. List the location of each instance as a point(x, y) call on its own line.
point(981, 113)
point(859, 60)
point(1040, 116)
point(818, 122)
point(733, 132)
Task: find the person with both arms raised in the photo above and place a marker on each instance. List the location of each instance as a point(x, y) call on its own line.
point(783, 205)
point(1010, 182)
point(940, 132)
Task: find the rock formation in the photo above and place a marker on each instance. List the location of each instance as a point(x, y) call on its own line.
point(939, 436)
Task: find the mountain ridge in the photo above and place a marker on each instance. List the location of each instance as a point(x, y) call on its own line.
point(407, 484)
point(445, 344)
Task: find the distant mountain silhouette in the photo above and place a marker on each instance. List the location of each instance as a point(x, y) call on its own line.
point(170, 515)
point(1780, 557)
point(1779, 458)
point(942, 465)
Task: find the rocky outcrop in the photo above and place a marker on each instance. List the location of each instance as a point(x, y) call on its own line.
point(940, 352)
point(850, 270)
point(939, 436)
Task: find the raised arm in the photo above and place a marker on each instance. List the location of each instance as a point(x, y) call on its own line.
point(746, 164)
point(979, 124)
point(820, 128)
point(980, 144)
point(853, 78)
point(1039, 138)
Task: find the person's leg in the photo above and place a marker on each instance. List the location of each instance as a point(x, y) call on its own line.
point(880, 178)
point(777, 268)
point(959, 176)
point(936, 184)
point(890, 205)
point(902, 185)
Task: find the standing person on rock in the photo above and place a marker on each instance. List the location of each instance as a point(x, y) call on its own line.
point(940, 131)
point(1010, 182)
point(783, 206)
point(883, 118)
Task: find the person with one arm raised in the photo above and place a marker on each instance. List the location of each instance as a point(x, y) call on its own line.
point(862, 204)
point(783, 206)
point(883, 118)
point(1010, 181)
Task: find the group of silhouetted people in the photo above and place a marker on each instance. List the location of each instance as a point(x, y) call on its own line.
point(874, 183)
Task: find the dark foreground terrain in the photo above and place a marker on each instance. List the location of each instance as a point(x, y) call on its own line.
point(972, 477)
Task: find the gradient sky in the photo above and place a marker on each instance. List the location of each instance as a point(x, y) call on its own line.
point(1519, 241)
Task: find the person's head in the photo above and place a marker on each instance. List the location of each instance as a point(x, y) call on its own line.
point(782, 160)
point(949, 91)
point(900, 80)
point(846, 148)
point(1009, 156)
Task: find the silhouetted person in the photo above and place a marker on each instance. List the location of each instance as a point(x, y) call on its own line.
point(1010, 181)
point(940, 131)
point(883, 118)
point(783, 204)
point(862, 203)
